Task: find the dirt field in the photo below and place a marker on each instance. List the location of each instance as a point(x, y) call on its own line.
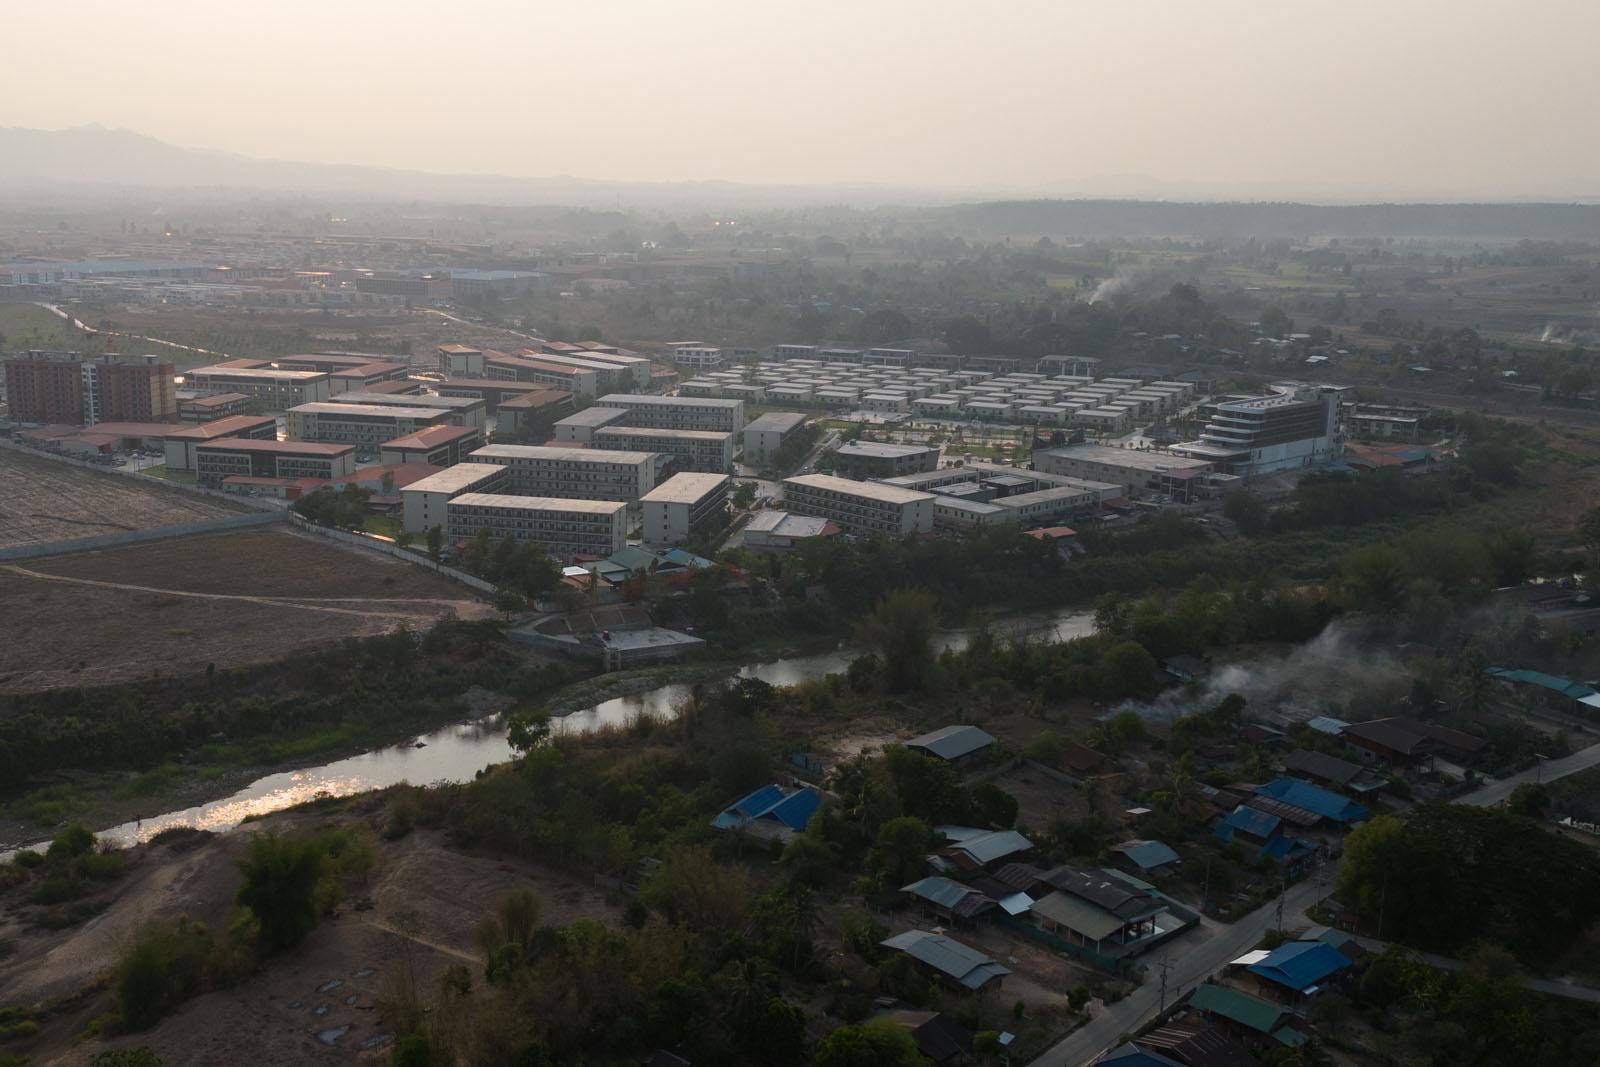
point(229, 599)
point(44, 500)
point(424, 900)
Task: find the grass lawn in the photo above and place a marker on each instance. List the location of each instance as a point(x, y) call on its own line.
point(181, 477)
point(382, 525)
point(25, 326)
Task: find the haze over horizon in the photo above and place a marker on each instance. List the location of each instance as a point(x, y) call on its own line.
point(1356, 99)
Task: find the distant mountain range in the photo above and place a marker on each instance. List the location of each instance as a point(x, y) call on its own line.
point(87, 163)
point(87, 158)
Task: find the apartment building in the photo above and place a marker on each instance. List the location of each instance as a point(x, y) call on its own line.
point(700, 450)
point(229, 456)
point(861, 507)
point(695, 354)
point(766, 434)
point(268, 389)
point(873, 459)
point(492, 392)
point(202, 407)
point(532, 416)
point(422, 503)
point(74, 390)
point(579, 473)
point(437, 446)
point(367, 425)
point(579, 427)
point(462, 361)
point(179, 445)
point(682, 504)
point(575, 380)
point(680, 412)
point(607, 376)
point(464, 410)
point(564, 528)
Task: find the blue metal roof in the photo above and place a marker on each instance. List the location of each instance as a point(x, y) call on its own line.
point(940, 891)
point(1250, 821)
point(1308, 797)
point(1300, 964)
point(794, 810)
point(1131, 1055)
point(1147, 855)
point(1553, 682)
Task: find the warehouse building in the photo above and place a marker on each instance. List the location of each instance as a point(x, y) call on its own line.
point(579, 427)
point(861, 507)
point(245, 457)
point(437, 446)
point(422, 503)
point(700, 450)
point(579, 473)
point(179, 444)
point(360, 424)
point(873, 459)
point(562, 527)
point(682, 504)
point(268, 389)
point(680, 412)
point(766, 434)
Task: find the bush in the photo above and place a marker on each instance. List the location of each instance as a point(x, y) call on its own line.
point(75, 840)
point(159, 970)
point(126, 1057)
point(282, 879)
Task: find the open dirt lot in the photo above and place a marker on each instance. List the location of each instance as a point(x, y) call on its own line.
point(412, 914)
point(174, 606)
point(44, 500)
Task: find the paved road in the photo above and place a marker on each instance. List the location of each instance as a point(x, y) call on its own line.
point(1127, 1015)
point(1548, 986)
point(1228, 944)
point(1495, 792)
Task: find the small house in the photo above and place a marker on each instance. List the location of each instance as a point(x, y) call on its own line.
point(947, 900)
point(1259, 1023)
point(956, 964)
point(972, 849)
point(1299, 967)
point(1145, 857)
point(773, 811)
point(939, 1038)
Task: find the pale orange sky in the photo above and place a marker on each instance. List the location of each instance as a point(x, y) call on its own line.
point(1397, 97)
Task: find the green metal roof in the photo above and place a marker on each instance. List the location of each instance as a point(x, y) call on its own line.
point(1238, 1006)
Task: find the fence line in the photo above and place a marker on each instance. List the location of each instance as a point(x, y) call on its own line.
point(258, 504)
point(134, 537)
point(389, 548)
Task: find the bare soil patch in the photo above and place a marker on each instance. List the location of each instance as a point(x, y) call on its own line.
point(176, 606)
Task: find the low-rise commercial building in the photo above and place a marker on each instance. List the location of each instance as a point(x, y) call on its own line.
point(680, 412)
point(437, 446)
point(682, 504)
point(360, 424)
point(862, 507)
point(422, 503)
point(579, 427)
point(565, 528)
point(1137, 471)
point(766, 434)
point(179, 444)
point(700, 450)
point(228, 456)
point(268, 389)
point(780, 531)
point(579, 473)
point(873, 459)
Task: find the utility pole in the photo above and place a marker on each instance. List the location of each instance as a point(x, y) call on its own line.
point(1283, 888)
point(1163, 1007)
point(1205, 889)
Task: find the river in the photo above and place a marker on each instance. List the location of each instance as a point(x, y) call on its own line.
point(459, 751)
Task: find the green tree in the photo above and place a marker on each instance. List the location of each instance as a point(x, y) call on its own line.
point(900, 631)
point(876, 1043)
point(403, 538)
point(435, 542)
point(282, 876)
point(508, 601)
point(160, 969)
point(1529, 799)
point(744, 495)
point(901, 849)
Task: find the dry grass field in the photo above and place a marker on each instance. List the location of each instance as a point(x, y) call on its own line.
point(44, 500)
point(174, 606)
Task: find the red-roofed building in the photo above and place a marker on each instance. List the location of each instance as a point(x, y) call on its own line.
point(178, 444)
point(228, 456)
point(440, 446)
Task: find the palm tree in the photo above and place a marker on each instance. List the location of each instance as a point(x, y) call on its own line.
point(1177, 787)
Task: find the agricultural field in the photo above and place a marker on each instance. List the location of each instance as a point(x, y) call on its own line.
point(44, 500)
point(25, 326)
point(177, 606)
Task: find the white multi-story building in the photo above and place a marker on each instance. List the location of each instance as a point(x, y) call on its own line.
point(578, 473)
point(695, 354)
point(464, 410)
point(682, 503)
point(423, 502)
point(268, 389)
point(701, 450)
point(862, 507)
point(1293, 427)
point(679, 412)
point(579, 427)
point(767, 433)
point(360, 424)
point(563, 527)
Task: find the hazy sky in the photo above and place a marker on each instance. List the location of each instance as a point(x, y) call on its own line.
point(1418, 97)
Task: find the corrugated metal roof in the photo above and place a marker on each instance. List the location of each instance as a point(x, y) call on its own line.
point(1250, 821)
point(1308, 797)
point(1240, 1007)
point(1300, 964)
point(966, 965)
point(1147, 855)
point(993, 846)
point(952, 742)
point(1079, 916)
